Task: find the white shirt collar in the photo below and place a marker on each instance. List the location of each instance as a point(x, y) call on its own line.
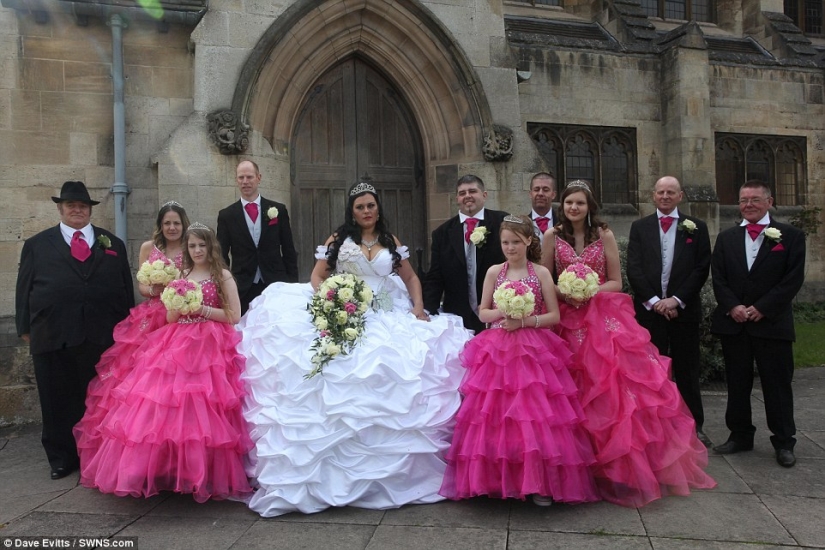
point(257, 200)
point(462, 217)
point(535, 214)
point(766, 220)
point(674, 214)
point(68, 232)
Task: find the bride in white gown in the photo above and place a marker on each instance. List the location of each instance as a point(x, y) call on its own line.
point(371, 430)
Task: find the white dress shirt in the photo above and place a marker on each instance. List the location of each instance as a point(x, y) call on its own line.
point(752, 246)
point(254, 228)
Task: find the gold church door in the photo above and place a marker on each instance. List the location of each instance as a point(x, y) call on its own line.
point(355, 126)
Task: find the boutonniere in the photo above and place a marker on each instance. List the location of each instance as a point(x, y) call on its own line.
point(773, 234)
point(479, 236)
point(687, 226)
point(105, 243)
point(272, 215)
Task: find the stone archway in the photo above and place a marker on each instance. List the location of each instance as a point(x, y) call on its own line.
point(401, 37)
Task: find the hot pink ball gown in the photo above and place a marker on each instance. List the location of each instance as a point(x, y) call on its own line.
point(519, 429)
point(174, 422)
point(642, 432)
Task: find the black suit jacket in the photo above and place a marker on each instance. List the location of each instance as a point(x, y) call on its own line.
point(447, 276)
point(275, 253)
point(771, 284)
point(62, 303)
point(688, 273)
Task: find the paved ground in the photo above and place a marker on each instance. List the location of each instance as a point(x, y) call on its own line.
point(756, 503)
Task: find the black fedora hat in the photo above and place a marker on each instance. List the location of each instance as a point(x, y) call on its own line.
point(74, 191)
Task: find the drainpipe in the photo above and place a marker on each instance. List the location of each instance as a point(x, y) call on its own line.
point(119, 188)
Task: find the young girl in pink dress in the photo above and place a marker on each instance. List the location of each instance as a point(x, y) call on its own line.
point(129, 334)
point(642, 432)
point(174, 422)
point(519, 429)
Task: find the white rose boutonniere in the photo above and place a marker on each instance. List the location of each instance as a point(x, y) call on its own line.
point(687, 226)
point(773, 234)
point(479, 235)
point(272, 215)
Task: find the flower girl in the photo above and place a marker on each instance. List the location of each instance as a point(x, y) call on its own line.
point(518, 430)
point(175, 421)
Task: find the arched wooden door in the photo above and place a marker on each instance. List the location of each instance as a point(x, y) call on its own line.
point(355, 126)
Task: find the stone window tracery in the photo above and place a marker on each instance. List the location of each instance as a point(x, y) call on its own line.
point(777, 160)
point(698, 10)
point(604, 156)
point(808, 15)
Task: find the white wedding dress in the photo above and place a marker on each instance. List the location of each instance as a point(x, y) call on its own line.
point(371, 431)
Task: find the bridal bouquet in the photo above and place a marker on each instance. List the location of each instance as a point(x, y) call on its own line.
point(515, 299)
point(182, 295)
point(159, 272)
point(337, 309)
point(578, 282)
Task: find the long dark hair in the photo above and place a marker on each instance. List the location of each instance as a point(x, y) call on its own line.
point(213, 253)
point(564, 229)
point(157, 235)
point(352, 230)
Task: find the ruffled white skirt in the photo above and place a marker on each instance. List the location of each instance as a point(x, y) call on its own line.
point(371, 431)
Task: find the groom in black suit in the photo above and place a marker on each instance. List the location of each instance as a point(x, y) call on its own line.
point(758, 267)
point(256, 233)
point(74, 285)
point(458, 263)
point(668, 260)
point(542, 195)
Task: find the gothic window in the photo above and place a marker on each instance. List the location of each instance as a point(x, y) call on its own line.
point(808, 15)
point(604, 156)
point(778, 160)
point(698, 10)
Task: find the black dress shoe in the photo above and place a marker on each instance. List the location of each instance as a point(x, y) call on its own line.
point(701, 436)
point(730, 447)
point(785, 458)
point(59, 473)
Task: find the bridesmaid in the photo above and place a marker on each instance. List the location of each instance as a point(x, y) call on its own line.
point(129, 334)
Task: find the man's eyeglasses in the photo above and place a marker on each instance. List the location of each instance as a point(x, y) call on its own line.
point(755, 202)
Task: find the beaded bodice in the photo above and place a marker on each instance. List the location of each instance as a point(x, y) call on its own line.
point(592, 256)
point(210, 293)
point(531, 281)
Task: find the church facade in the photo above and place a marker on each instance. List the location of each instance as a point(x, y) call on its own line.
point(409, 95)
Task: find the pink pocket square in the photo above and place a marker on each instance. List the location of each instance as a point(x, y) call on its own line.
point(688, 241)
point(778, 248)
point(110, 252)
point(273, 221)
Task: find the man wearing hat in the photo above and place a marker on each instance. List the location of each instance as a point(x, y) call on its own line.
point(73, 287)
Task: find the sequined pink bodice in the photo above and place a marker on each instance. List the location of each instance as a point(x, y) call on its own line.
point(157, 254)
point(210, 294)
point(592, 256)
point(531, 280)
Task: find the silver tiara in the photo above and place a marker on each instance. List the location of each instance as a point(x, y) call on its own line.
point(362, 188)
point(171, 203)
point(579, 184)
point(198, 225)
point(513, 219)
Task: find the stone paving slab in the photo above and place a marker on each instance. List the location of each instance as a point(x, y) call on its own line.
point(430, 538)
point(597, 517)
point(177, 533)
point(764, 476)
point(480, 513)
point(60, 524)
point(686, 544)
point(563, 541)
point(714, 516)
point(175, 505)
point(795, 514)
point(267, 534)
point(82, 500)
point(346, 514)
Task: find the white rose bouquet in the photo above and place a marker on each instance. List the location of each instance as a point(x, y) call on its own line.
point(159, 272)
point(578, 282)
point(182, 295)
point(337, 309)
point(515, 299)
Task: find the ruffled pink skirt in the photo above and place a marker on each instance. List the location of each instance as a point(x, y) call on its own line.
point(642, 432)
point(519, 429)
point(174, 422)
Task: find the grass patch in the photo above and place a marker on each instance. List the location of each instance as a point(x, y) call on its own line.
point(809, 349)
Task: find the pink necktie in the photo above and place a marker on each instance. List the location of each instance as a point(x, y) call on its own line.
point(80, 248)
point(252, 209)
point(542, 222)
point(471, 224)
point(666, 222)
point(754, 229)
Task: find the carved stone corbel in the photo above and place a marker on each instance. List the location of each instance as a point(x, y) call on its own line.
point(498, 144)
point(228, 132)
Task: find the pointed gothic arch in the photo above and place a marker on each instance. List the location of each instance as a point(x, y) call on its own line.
point(414, 50)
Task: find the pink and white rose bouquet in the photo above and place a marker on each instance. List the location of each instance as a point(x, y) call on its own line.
point(159, 272)
point(515, 299)
point(578, 282)
point(182, 295)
